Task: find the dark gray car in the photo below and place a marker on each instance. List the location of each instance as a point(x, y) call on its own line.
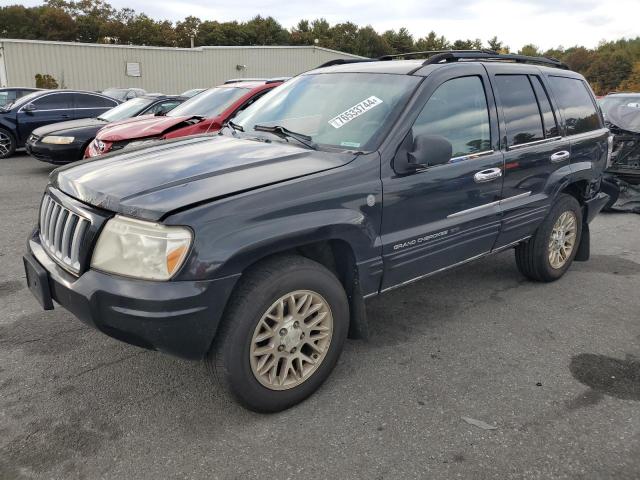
point(255, 249)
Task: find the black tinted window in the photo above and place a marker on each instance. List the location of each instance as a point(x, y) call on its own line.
point(458, 111)
point(54, 101)
point(576, 104)
point(163, 107)
point(548, 117)
point(84, 100)
point(520, 108)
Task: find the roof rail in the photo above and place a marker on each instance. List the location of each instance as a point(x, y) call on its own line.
point(342, 61)
point(277, 80)
point(432, 52)
point(456, 55)
point(237, 80)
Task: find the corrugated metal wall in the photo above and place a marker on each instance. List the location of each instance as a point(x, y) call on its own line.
point(167, 70)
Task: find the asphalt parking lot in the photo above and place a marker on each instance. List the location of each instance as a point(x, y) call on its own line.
point(554, 367)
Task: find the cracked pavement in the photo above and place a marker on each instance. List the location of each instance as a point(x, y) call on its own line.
point(555, 367)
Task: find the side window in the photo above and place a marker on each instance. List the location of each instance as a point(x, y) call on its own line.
point(252, 100)
point(576, 103)
point(520, 108)
point(83, 100)
point(548, 117)
point(162, 107)
point(458, 111)
point(54, 101)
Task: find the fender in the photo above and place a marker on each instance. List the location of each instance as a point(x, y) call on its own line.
point(343, 204)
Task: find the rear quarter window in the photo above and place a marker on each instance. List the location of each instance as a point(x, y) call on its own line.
point(576, 104)
point(83, 100)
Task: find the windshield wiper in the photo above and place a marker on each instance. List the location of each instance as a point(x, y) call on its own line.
point(235, 126)
point(285, 133)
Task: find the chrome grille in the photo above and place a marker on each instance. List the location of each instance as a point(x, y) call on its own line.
point(61, 233)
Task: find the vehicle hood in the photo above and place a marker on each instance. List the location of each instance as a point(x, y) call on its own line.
point(55, 128)
point(625, 117)
point(140, 127)
point(149, 183)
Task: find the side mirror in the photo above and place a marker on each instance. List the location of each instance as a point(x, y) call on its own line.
point(29, 107)
point(427, 151)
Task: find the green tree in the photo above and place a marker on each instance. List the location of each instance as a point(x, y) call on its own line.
point(530, 50)
point(400, 41)
point(432, 42)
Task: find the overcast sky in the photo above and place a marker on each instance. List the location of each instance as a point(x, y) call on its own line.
point(546, 23)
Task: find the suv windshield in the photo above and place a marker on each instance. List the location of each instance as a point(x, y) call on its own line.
point(126, 109)
point(209, 103)
point(345, 110)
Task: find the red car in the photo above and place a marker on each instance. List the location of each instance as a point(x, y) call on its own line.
point(204, 113)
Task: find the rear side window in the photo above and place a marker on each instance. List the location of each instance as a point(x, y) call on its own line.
point(54, 101)
point(548, 117)
point(93, 101)
point(576, 104)
point(520, 108)
point(458, 111)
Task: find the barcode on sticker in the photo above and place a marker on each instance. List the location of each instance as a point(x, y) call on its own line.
point(354, 112)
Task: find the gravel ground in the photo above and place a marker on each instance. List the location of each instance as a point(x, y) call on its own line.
point(554, 367)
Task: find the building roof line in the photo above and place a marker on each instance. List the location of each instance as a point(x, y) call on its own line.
point(179, 49)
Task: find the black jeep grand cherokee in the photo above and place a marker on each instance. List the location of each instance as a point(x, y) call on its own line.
point(255, 249)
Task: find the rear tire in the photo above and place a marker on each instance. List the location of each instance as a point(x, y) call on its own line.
point(270, 352)
point(7, 143)
point(551, 250)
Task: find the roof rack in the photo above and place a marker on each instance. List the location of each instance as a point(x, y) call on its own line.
point(447, 56)
point(456, 55)
point(342, 61)
point(277, 80)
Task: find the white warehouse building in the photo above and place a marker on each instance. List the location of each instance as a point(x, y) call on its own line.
point(89, 66)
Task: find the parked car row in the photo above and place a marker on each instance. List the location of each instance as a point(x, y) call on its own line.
point(59, 126)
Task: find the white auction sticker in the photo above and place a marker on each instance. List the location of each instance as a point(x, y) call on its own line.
point(354, 112)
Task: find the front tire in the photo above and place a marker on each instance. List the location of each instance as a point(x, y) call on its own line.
point(551, 250)
point(7, 143)
point(282, 333)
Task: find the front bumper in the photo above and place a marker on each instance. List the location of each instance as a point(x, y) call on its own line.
point(56, 154)
point(175, 317)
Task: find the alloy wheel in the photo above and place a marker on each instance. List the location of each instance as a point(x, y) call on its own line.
point(5, 144)
point(563, 239)
point(291, 340)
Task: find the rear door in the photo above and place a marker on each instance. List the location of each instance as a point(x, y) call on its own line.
point(49, 108)
point(583, 125)
point(445, 214)
point(535, 152)
point(86, 105)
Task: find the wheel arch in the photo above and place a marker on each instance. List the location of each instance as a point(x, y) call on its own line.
point(338, 255)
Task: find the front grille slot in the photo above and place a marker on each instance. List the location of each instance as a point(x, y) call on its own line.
point(61, 233)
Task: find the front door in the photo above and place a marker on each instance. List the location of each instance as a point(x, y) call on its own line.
point(445, 214)
point(50, 108)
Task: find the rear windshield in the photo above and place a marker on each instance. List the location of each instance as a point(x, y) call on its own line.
point(127, 109)
point(344, 110)
point(209, 103)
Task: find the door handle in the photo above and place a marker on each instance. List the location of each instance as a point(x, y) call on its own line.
point(487, 175)
point(560, 156)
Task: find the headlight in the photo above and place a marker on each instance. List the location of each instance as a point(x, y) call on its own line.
point(57, 140)
point(140, 249)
